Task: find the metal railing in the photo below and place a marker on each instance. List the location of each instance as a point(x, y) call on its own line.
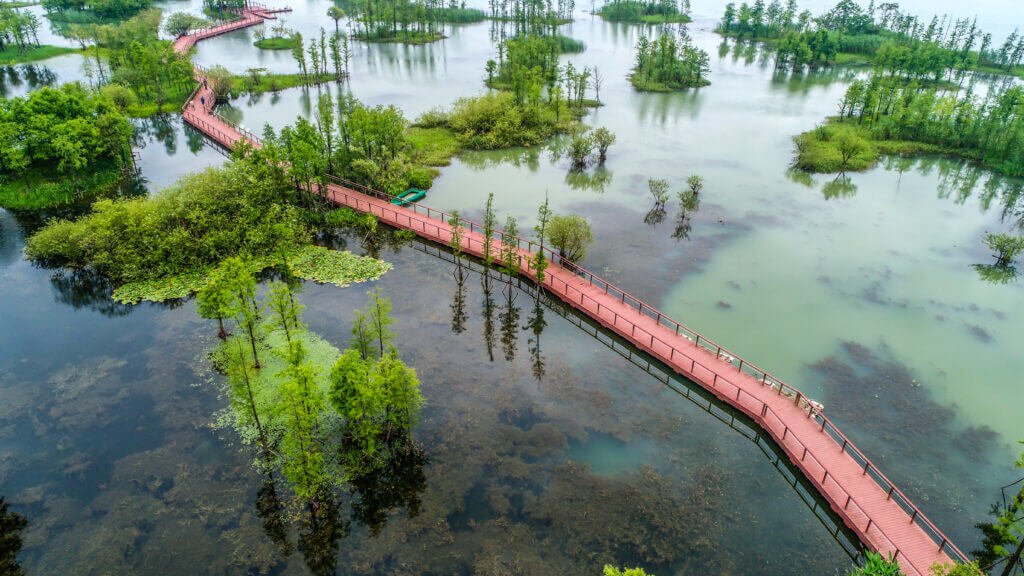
point(735, 394)
point(439, 221)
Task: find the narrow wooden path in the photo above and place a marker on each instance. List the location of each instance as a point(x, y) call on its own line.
point(879, 513)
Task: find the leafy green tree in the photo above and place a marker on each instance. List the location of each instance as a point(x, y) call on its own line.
point(603, 138)
point(220, 80)
point(1005, 247)
point(571, 235)
point(355, 399)
point(659, 189)
point(336, 13)
point(695, 183)
point(849, 146)
point(540, 262)
point(285, 308)
point(490, 222)
point(181, 23)
point(401, 391)
point(218, 298)
point(244, 395)
point(302, 404)
point(378, 321)
point(1003, 544)
point(247, 311)
point(510, 246)
point(455, 241)
point(581, 145)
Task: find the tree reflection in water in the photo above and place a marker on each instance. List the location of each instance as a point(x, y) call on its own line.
point(488, 313)
point(11, 526)
point(397, 483)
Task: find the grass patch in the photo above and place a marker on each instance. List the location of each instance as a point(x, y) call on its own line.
point(649, 85)
point(278, 43)
point(433, 146)
point(41, 188)
point(308, 262)
point(821, 150)
point(246, 84)
point(72, 16)
point(492, 122)
point(650, 19)
point(412, 37)
point(14, 55)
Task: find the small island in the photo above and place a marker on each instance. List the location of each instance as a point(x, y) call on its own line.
point(668, 64)
point(646, 11)
point(406, 21)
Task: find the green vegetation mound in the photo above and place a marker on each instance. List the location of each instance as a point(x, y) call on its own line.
point(60, 144)
point(279, 43)
point(645, 11)
point(308, 262)
point(14, 55)
point(204, 218)
point(667, 64)
point(845, 147)
point(496, 120)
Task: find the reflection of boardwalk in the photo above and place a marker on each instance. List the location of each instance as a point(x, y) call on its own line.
point(870, 505)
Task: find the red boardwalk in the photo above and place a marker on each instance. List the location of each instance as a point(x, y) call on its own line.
point(870, 505)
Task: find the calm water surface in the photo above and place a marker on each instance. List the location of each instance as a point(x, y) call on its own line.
point(861, 292)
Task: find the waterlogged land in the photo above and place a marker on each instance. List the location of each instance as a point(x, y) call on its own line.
point(859, 290)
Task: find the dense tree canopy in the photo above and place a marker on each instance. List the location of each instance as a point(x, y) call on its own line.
point(103, 8)
point(236, 210)
point(651, 11)
point(68, 129)
point(411, 21)
point(669, 63)
point(894, 40)
point(989, 129)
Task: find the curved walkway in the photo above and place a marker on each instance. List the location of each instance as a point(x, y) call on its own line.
point(879, 513)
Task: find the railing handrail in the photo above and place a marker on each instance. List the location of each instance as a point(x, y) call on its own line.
point(917, 516)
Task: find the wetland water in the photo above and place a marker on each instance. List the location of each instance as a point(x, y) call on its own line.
point(861, 295)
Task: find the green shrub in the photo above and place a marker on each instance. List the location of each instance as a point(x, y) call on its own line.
point(494, 121)
point(204, 218)
point(835, 147)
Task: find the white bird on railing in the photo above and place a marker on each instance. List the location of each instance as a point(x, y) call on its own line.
point(816, 406)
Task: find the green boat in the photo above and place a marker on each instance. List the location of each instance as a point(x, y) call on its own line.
point(409, 196)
